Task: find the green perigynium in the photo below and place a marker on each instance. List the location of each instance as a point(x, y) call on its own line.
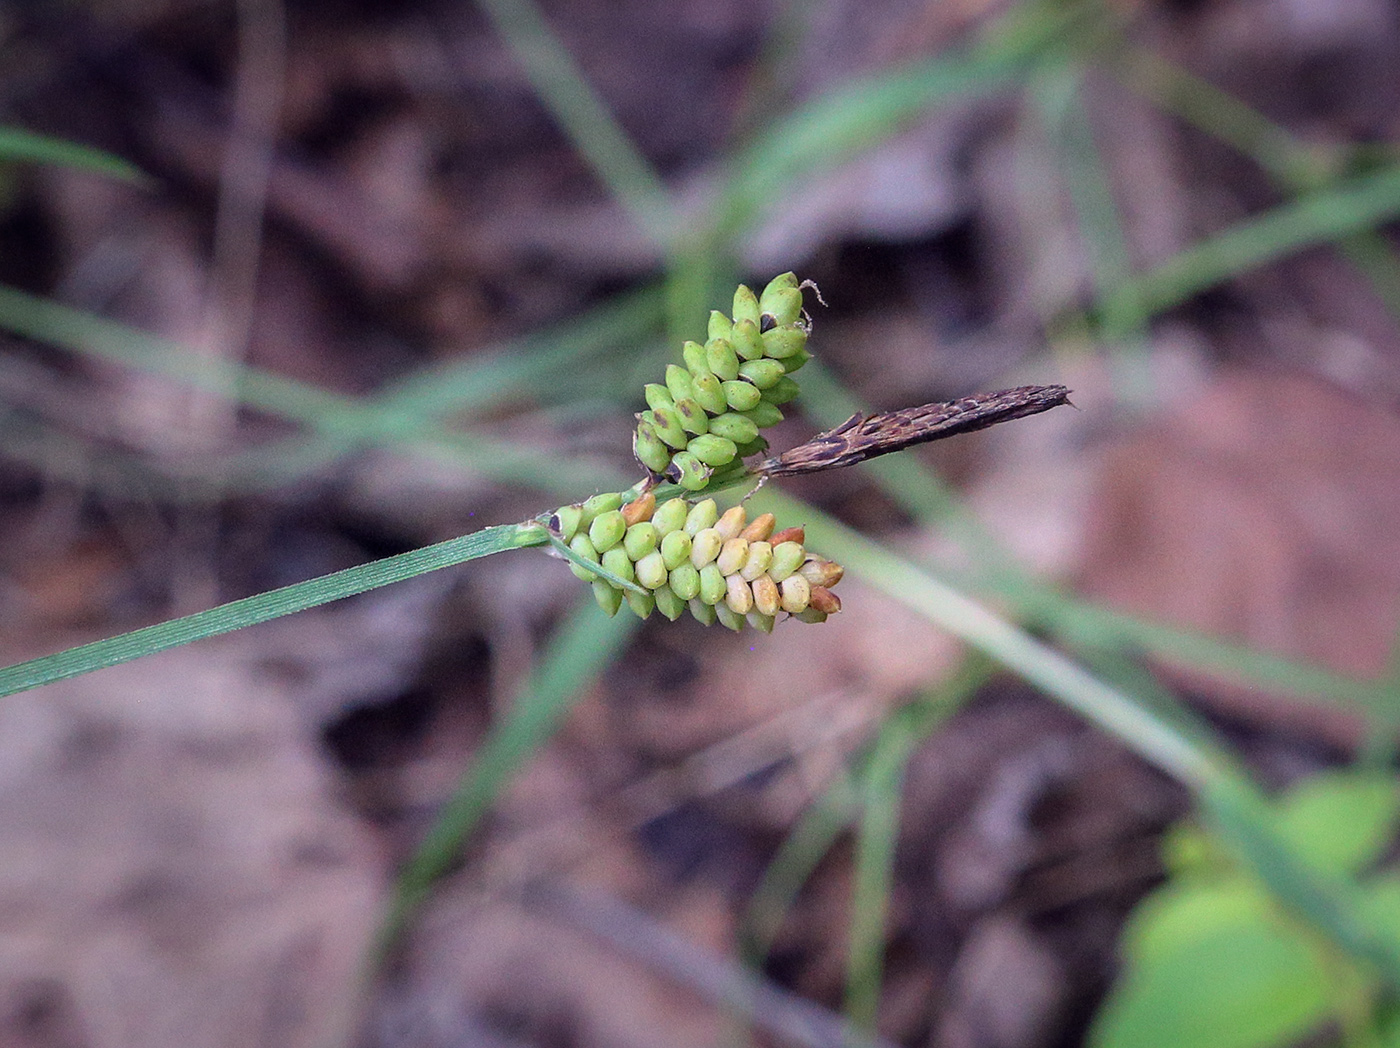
point(689, 556)
point(699, 424)
point(707, 415)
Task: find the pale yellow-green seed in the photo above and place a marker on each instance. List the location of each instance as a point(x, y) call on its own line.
point(679, 382)
point(702, 515)
point(738, 595)
point(704, 613)
point(732, 522)
point(607, 530)
point(696, 361)
point(617, 561)
point(642, 604)
point(709, 393)
point(692, 416)
point(732, 556)
point(668, 603)
point(688, 471)
point(756, 563)
point(713, 450)
point(787, 558)
point(741, 395)
point(734, 426)
point(720, 325)
point(675, 548)
point(783, 305)
point(765, 374)
point(684, 580)
point(764, 414)
point(705, 547)
point(745, 305)
point(746, 340)
point(712, 584)
point(670, 516)
point(566, 520)
point(759, 621)
point(584, 548)
point(796, 594)
point(721, 359)
point(641, 539)
point(650, 450)
point(651, 570)
point(766, 598)
point(608, 500)
point(728, 618)
point(783, 342)
point(608, 596)
point(657, 396)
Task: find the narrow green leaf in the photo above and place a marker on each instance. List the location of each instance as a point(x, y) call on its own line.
point(265, 606)
point(30, 147)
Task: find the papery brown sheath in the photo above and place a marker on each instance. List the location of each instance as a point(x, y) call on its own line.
point(863, 437)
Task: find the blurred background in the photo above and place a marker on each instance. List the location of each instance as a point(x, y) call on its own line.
point(290, 285)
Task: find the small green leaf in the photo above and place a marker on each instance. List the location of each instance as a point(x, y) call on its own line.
point(18, 144)
point(1341, 820)
point(1239, 985)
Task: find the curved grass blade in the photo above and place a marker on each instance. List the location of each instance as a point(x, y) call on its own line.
point(265, 606)
point(30, 147)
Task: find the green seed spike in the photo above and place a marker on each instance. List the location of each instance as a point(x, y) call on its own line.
point(729, 618)
point(608, 597)
point(684, 581)
point(642, 604)
point(658, 396)
point(781, 304)
point(693, 353)
point(584, 548)
point(709, 393)
point(759, 621)
point(692, 416)
point(651, 450)
point(679, 382)
point(702, 515)
point(705, 547)
point(675, 549)
point(565, 521)
point(781, 343)
point(608, 500)
point(641, 539)
point(795, 362)
point(734, 426)
point(668, 602)
point(782, 391)
point(765, 374)
point(746, 340)
point(607, 530)
point(741, 395)
point(712, 585)
point(713, 450)
point(703, 613)
point(745, 305)
point(617, 561)
point(651, 570)
point(688, 471)
point(720, 325)
point(787, 558)
point(669, 428)
point(721, 359)
point(670, 516)
point(763, 414)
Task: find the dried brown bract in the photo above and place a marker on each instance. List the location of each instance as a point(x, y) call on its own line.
point(865, 437)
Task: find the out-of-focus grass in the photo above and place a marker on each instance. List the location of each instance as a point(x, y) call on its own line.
point(1035, 45)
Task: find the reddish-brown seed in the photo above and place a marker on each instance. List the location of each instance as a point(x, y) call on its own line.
point(825, 601)
point(639, 509)
point(821, 572)
point(798, 535)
